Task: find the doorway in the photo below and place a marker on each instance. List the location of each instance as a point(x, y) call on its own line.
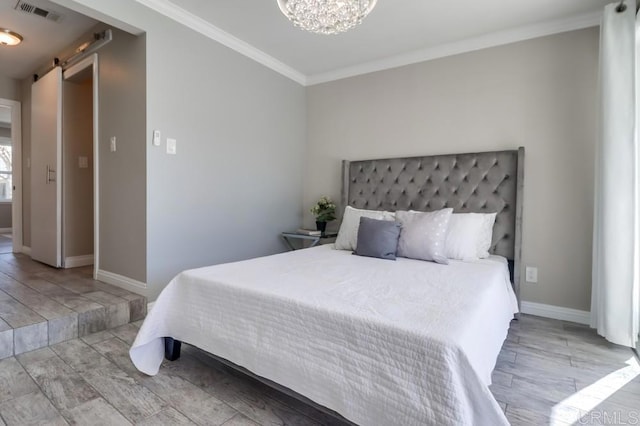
point(10, 177)
point(78, 130)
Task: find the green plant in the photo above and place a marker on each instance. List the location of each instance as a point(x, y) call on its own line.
point(324, 210)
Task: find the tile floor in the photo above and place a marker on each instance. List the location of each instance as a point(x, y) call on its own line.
point(41, 306)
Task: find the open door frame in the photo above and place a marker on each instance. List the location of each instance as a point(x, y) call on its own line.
point(92, 61)
point(16, 168)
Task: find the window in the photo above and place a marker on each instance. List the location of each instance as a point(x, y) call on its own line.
point(6, 174)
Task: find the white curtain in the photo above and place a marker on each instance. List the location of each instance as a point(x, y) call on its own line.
point(615, 303)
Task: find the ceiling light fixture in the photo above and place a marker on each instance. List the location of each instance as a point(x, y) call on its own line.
point(9, 38)
point(326, 16)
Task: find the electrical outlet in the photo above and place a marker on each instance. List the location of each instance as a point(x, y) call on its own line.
point(531, 274)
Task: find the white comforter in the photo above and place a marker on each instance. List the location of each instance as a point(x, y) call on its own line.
point(380, 342)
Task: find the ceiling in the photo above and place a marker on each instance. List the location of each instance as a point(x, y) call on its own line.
point(395, 33)
point(42, 38)
point(394, 29)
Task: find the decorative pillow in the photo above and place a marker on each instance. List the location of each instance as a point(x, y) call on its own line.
point(463, 236)
point(348, 234)
point(486, 234)
point(377, 238)
point(423, 235)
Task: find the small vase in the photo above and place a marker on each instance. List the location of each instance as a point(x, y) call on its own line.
point(321, 226)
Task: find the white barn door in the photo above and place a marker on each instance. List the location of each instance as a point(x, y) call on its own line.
point(46, 168)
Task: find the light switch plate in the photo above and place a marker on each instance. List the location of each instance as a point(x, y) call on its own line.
point(171, 146)
point(113, 144)
point(156, 137)
point(83, 162)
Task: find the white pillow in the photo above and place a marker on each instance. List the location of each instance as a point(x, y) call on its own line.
point(423, 235)
point(463, 236)
point(347, 238)
point(469, 236)
point(484, 242)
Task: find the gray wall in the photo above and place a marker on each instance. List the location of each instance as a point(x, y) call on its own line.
point(540, 94)
point(236, 180)
point(10, 88)
point(123, 194)
point(5, 215)
point(77, 191)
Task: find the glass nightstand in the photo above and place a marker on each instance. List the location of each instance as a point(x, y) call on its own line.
point(289, 237)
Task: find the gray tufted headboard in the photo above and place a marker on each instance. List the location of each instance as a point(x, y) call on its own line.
point(482, 182)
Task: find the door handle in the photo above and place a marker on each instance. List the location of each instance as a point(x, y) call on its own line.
point(49, 178)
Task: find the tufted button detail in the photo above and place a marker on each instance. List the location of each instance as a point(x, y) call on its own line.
point(396, 181)
point(446, 179)
point(464, 205)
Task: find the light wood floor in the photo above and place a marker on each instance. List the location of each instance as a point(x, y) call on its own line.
point(558, 373)
point(549, 372)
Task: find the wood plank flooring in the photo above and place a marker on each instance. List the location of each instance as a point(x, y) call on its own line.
point(549, 372)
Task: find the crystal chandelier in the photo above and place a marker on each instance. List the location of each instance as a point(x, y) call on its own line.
point(326, 16)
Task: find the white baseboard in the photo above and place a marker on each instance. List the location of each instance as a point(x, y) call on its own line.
point(556, 312)
point(26, 250)
point(76, 261)
point(5, 230)
point(121, 281)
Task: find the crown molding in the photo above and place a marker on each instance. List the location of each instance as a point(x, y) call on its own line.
point(468, 45)
point(178, 14)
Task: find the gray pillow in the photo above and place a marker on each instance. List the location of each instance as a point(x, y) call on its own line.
point(424, 235)
point(377, 238)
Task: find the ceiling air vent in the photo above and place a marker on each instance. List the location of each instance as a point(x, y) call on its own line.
point(35, 10)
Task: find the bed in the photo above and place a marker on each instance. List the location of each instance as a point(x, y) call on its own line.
point(379, 342)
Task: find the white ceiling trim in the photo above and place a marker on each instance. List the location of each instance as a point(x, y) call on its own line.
point(463, 46)
point(207, 29)
point(178, 14)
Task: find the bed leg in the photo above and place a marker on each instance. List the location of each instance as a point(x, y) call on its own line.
point(172, 348)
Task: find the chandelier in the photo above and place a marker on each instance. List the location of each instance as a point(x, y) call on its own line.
point(326, 16)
